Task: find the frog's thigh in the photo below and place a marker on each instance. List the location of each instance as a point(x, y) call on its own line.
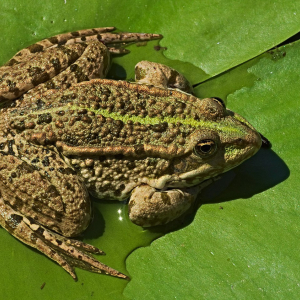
point(45, 190)
point(149, 207)
point(93, 63)
point(156, 74)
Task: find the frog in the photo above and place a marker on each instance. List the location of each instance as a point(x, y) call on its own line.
point(68, 133)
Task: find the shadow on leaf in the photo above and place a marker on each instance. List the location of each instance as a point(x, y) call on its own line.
point(260, 173)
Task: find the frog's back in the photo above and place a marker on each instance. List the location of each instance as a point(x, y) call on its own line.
point(107, 114)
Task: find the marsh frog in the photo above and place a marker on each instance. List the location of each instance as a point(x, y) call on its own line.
point(66, 132)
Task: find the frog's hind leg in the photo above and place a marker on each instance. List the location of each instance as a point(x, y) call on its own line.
point(70, 64)
point(43, 203)
point(66, 252)
point(81, 56)
point(114, 41)
point(57, 40)
point(102, 34)
point(93, 63)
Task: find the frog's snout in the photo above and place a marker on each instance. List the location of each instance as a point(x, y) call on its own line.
point(251, 137)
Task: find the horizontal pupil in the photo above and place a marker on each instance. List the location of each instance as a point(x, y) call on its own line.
point(205, 148)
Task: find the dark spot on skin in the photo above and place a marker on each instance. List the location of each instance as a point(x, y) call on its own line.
point(58, 217)
point(12, 87)
point(86, 119)
point(53, 40)
point(75, 33)
point(82, 111)
point(56, 65)
point(99, 38)
point(40, 78)
point(40, 230)
point(45, 161)
point(67, 171)
point(10, 149)
point(61, 43)
point(72, 55)
point(73, 68)
point(18, 204)
point(44, 118)
point(12, 62)
point(52, 191)
point(159, 127)
point(33, 238)
point(35, 160)
point(58, 242)
point(18, 125)
point(25, 168)
point(61, 170)
point(15, 220)
point(35, 48)
point(39, 103)
point(83, 38)
point(79, 73)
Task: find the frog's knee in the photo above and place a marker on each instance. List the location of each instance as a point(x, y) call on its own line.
point(149, 207)
point(156, 74)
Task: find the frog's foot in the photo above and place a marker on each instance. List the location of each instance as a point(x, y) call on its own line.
point(149, 207)
point(103, 35)
point(68, 253)
point(162, 76)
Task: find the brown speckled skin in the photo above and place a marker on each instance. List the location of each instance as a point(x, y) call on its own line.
point(69, 134)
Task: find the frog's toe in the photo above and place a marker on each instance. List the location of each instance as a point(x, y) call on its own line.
point(68, 253)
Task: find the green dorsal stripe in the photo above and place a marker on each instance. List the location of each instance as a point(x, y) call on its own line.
point(228, 128)
point(221, 126)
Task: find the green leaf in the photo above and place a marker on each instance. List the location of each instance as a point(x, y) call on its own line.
point(243, 243)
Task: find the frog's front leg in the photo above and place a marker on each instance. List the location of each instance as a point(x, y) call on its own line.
point(160, 75)
point(42, 203)
point(150, 207)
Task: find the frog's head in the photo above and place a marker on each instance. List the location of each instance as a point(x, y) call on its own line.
point(221, 141)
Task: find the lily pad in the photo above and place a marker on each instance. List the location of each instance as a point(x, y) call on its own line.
point(204, 38)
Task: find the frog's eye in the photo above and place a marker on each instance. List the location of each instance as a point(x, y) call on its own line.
point(220, 101)
point(205, 148)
